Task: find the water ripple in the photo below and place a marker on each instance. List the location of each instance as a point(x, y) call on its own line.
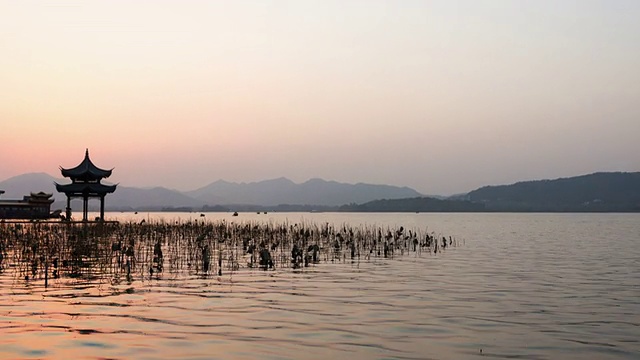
point(513, 291)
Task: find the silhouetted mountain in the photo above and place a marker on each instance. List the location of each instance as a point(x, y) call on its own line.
point(255, 193)
point(273, 194)
point(595, 192)
point(24, 184)
point(284, 191)
point(131, 198)
point(21, 185)
point(125, 198)
point(418, 204)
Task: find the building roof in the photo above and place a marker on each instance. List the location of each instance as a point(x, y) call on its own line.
point(16, 203)
point(41, 194)
point(86, 171)
point(85, 188)
point(34, 198)
point(40, 197)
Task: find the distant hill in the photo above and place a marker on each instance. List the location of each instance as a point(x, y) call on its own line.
point(595, 192)
point(131, 198)
point(284, 191)
point(24, 184)
point(274, 194)
point(599, 192)
point(266, 192)
point(21, 185)
point(125, 198)
point(418, 204)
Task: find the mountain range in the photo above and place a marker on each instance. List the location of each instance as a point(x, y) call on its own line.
point(614, 191)
point(284, 191)
point(267, 193)
point(598, 192)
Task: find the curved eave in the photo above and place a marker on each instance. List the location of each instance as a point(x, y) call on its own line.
point(77, 188)
point(86, 170)
point(41, 194)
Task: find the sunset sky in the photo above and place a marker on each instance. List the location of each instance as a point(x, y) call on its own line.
point(440, 96)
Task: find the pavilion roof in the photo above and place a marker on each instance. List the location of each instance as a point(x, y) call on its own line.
point(85, 188)
point(86, 171)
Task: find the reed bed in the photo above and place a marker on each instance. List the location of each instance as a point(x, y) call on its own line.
point(115, 251)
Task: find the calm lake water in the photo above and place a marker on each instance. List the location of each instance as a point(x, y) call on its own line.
point(523, 286)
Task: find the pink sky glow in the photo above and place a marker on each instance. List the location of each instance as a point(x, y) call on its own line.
point(437, 96)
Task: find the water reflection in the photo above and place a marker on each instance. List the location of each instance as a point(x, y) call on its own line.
point(529, 286)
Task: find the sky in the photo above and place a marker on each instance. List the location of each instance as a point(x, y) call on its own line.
point(440, 96)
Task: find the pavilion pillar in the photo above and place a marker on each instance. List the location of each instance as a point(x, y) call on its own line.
point(101, 207)
point(85, 208)
point(68, 209)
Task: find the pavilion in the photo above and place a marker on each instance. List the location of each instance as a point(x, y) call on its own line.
point(85, 184)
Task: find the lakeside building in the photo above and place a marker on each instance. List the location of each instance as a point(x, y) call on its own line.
point(34, 206)
point(85, 184)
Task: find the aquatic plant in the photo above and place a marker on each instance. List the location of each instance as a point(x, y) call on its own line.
point(114, 251)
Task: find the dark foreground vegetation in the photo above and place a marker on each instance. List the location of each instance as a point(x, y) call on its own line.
point(113, 251)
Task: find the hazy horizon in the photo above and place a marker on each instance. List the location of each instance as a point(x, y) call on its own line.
point(438, 96)
point(198, 187)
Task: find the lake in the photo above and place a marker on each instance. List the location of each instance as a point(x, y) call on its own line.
point(517, 286)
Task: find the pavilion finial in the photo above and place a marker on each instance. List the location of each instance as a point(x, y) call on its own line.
point(86, 153)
